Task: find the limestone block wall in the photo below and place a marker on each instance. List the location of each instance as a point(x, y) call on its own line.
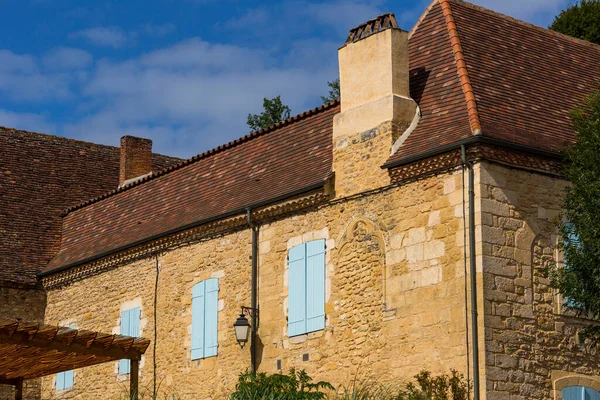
point(395, 297)
point(96, 302)
point(28, 304)
point(530, 339)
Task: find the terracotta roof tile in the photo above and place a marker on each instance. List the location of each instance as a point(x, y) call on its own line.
point(469, 67)
point(434, 85)
point(267, 164)
point(524, 79)
point(41, 175)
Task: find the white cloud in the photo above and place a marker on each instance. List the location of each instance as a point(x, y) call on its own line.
point(26, 121)
point(195, 95)
point(110, 36)
point(196, 53)
point(22, 79)
point(67, 58)
point(11, 62)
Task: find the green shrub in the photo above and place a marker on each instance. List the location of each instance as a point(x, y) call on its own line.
point(297, 385)
point(427, 387)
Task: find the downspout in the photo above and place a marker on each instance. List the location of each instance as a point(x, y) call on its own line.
point(253, 295)
point(472, 271)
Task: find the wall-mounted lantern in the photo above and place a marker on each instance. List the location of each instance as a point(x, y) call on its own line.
point(242, 326)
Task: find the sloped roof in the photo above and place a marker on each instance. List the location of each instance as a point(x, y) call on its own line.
point(40, 176)
point(473, 72)
point(287, 158)
point(525, 79)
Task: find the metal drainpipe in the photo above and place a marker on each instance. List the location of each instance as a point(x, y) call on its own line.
point(473, 272)
point(254, 320)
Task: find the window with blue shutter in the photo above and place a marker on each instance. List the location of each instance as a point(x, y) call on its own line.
point(205, 310)
point(306, 289)
point(580, 393)
point(64, 380)
point(130, 326)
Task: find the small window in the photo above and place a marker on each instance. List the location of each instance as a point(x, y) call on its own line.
point(130, 326)
point(64, 380)
point(580, 393)
point(306, 292)
point(205, 309)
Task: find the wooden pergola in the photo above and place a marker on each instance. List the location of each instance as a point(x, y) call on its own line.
point(34, 350)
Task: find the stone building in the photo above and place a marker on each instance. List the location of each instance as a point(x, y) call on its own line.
point(40, 176)
point(358, 223)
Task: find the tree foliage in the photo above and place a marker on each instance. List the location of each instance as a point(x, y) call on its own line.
point(274, 111)
point(296, 385)
point(580, 20)
point(334, 91)
point(579, 280)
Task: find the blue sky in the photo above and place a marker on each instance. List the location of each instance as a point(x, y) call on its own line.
point(184, 73)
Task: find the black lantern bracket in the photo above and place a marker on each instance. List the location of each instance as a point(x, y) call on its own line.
point(252, 312)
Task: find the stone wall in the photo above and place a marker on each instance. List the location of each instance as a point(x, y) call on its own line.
point(395, 297)
point(530, 338)
point(27, 304)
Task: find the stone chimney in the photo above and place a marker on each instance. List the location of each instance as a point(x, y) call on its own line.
point(136, 158)
point(376, 107)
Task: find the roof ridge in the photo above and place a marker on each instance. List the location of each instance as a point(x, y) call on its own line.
point(49, 136)
point(204, 155)
point(461, 67)
point(78, 141)
point(527, 24)
point(422, 18)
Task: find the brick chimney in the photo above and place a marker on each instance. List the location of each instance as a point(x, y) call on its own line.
point(376, 107)
point(136, 158)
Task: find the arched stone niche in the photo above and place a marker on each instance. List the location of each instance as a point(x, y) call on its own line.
point(361, 256)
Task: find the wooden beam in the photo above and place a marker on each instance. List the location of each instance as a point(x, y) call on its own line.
point(5, 381)
point(19, 389)
point(134, 379)
point(115, 353)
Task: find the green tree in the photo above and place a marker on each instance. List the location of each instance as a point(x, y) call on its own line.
point(274, 111)
point(580, 20)
point(579, 225)
point(334, 91)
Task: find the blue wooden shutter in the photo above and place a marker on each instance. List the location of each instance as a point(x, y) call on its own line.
point(69, 375)
point(315, 285)
point(198, 321)
point(124, 364)
point(591, 394)
point(573, 393)
point(130, 326)
point(134, 321)
point(64, 380)
point(60, 381)
point(297, 290)
point(211, 310)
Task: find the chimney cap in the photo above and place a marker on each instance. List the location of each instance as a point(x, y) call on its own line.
point(371, 27)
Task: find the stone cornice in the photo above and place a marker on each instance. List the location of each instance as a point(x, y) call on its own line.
point(186, 237)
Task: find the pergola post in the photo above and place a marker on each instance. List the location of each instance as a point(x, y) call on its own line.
point(133, 379)
point(19, 389)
